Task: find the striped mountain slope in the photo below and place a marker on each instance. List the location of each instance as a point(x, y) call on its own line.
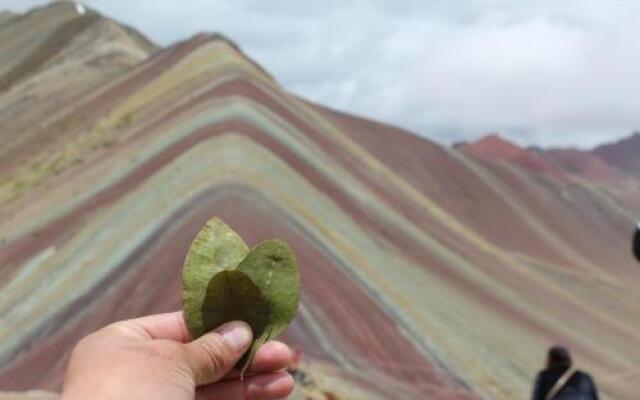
point(427, 272)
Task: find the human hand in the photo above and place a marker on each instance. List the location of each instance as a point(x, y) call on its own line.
point(152, 358)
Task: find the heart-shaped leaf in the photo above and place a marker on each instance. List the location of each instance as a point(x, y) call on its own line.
point(216, 248)
point(224, 282)
point(272, 267)
point(232, 295)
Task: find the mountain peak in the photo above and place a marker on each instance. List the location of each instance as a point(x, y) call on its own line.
point(493, 136)
point(495, 146)
point(205, 37)
point(73, 7)
point(75, 32)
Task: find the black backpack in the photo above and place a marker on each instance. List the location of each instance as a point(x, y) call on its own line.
point(570, 393)
point(578, 387)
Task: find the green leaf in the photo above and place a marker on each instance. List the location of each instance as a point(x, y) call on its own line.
point(232, 295)
point(272, 267)
point(222, 282)
point(216, 248)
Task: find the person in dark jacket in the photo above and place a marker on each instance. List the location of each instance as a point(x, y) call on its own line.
point(579, 386)
point(636, 242)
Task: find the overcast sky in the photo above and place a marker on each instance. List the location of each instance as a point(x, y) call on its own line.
point(545, 72)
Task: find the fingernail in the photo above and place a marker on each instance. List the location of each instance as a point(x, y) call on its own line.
point(237, 335)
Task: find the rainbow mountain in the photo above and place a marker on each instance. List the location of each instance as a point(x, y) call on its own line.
point(427, 271)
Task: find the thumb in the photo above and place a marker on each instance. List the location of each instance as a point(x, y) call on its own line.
point(211, 356)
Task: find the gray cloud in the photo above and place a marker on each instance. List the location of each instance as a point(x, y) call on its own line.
point(543, 72)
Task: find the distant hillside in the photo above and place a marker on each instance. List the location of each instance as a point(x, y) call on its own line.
point(49, 58)
point(624, 154)
point(561, 163)
point(587, 165)
point(427, 272)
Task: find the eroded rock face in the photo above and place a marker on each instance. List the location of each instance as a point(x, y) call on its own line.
point(31, 395)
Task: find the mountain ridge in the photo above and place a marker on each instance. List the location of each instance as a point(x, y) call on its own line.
point(91, 48)
point(557, 161)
